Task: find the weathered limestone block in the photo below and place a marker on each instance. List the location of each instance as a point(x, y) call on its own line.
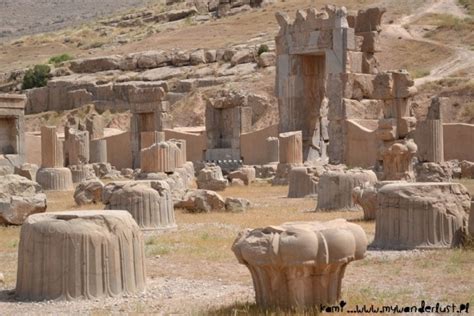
point(101, 170)
point(467, 169)
point(282, 173)
point(98, 151)
point(299, 264)
point(158, 158)
point(151, 208)
point(211, 178)
point(302, 183)
point(82, 173)
point(266, 171)
point(73, 255)
point(201, 201)
point(180, 152)
point(335, 188)
point(366, 197)
point(95, 126)
point(291, 147)
point(421, 215)
point(433, 172)
point(19, 198)
point(237, 205)
point(76, 147)
point(246, 174)
point(55, 179)
point(89, 192)
point(51, 148)
point(27, 170)
point(266, 59)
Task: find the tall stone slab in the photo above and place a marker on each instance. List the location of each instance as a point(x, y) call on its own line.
point(12, 138)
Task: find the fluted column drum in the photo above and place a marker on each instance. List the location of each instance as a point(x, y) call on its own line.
point(80, 254)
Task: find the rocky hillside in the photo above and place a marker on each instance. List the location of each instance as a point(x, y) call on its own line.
point(196, 48)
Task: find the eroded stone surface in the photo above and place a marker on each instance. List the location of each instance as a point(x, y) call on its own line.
point(211, 178)
point(421, 215)
point(19, 198)
point(72, 255)
point(305, 261)
point(89, 192)
point(202, 201)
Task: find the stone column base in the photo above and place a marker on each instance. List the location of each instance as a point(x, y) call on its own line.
point(55, 179)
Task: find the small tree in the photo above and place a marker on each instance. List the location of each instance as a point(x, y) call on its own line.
point(36, 77)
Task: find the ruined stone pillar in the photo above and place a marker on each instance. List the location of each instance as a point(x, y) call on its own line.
point(158, 158)
point(421, 215)
point(181, 158)
point(299, 265)
point(291, 147)
point(87, 255)
point(98, 151)
point(51, 148)
point(302, 183)
point(429, 134)
point(77, 147)
point(52, 175)
point(273, 149)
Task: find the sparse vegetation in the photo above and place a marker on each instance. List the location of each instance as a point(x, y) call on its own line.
point(468, 5)
point(56, 60)
point(36, 77)
point(263, 49)
point(419, 73)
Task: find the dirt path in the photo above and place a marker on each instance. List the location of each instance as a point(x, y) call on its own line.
point(462, 57)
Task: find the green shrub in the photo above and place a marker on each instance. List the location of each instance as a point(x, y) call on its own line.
point(59, 59)
point(36, 77)
point(263, 49)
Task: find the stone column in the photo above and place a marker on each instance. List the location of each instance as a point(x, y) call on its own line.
point(291, 147)
point(52, 176)
point(98, 151)
point(157, 158)
point(429, 134)
point(77, 147)
point(51, 148)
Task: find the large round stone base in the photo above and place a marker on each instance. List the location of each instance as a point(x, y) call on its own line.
point(421, 215)
point(150, 203)
point(55, 179)
point(80, 254)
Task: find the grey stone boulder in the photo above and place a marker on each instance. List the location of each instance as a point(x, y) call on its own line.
point(89, 192)
point(199, 201)
point(19, 198)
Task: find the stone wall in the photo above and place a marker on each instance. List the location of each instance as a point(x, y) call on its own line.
point(12, 142)
point(253, 144)
point(458, 141)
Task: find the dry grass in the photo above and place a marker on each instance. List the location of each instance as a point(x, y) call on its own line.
point(200, 250)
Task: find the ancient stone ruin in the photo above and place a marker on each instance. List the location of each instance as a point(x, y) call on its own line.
point(421, 215)
point(291, 268)
point(149, 202)
point(52, 175)
point(326, 74)
point(149, 109)
point(226, 120)
point(12, 145)
point(80, 254)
